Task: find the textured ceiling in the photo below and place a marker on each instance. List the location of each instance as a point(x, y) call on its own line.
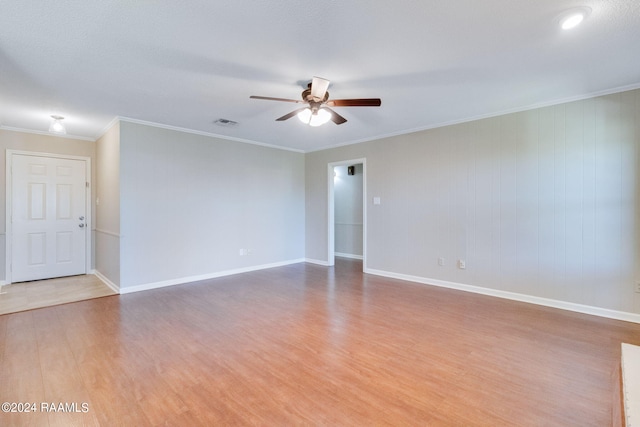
point(187, 64)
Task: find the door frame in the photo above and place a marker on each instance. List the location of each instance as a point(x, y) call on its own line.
point(9, 205)
point(331, 255)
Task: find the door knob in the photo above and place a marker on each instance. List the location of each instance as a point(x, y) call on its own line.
point(81, 218)
point(81, 225)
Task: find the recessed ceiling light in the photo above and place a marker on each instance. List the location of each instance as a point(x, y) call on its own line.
point(572, 18)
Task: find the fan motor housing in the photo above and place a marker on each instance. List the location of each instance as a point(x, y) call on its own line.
point(306, 95)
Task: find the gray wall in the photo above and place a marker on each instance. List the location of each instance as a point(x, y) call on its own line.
point(107, 195)
point(348, 220)
point(189, 203)
point(11, 140)
point(543, 202)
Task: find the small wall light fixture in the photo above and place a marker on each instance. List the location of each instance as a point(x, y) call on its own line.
point(57, 126)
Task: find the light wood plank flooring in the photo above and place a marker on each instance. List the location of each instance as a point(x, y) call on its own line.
point(45, 293)
point(310, 345)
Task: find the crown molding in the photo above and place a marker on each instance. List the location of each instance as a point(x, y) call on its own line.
point(208, 134)
point(486, 116)
point(39, 132)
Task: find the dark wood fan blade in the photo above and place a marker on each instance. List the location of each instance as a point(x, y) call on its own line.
point(268, 98)
point(291, 114)
point(364, 102)
point(335, 117)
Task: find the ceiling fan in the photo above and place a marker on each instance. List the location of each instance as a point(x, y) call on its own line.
point(317, 111)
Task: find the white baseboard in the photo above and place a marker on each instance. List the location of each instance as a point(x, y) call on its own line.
point(351, 256)
point(563, 305)
point(188, 279)
point(316, 261)
point(106, 281)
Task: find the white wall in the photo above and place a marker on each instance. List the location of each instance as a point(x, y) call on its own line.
point(542, 203)
point(107, 194)
point(12, 140)
point(189, 203)
point(348, 221)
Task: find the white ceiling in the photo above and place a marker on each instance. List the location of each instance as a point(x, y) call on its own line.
point(186, 64)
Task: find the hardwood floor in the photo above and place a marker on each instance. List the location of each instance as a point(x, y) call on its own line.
point(310, 345)
point(45, 293)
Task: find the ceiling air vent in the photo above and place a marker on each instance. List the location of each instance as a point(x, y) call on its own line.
point(225, 123)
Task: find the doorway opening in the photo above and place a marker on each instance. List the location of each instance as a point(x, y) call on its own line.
point(347, 227)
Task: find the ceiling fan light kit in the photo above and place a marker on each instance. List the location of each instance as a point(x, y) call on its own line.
point(317, 118)
point(317, 97)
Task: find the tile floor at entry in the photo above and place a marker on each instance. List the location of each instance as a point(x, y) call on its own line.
point(45, 293)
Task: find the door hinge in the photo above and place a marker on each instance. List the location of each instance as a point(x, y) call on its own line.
point(87, 183)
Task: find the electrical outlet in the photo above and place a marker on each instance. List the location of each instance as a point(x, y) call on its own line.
point(440, 262)
point(462, 264)
point(242, 252)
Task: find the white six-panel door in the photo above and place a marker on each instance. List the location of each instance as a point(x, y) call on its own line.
point(48, 217)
